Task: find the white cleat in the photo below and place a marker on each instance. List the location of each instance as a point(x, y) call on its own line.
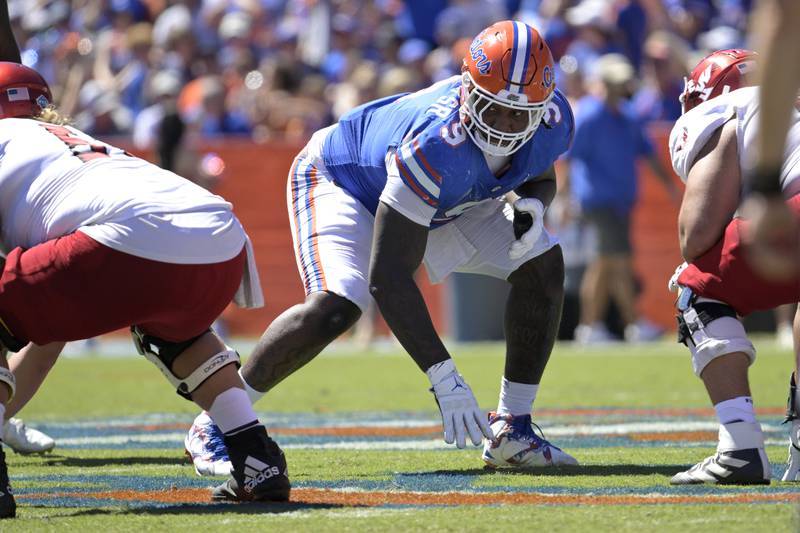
point(793, 464)
point(24, 440)
point(516, 445)
point(206, 448)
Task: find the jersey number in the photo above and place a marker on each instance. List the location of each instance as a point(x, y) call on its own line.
point(453, 134)
point(81, 148)
point(443, 106)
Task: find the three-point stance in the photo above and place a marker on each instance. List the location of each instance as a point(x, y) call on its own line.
point(98, 240)
point(711, 144)
point(426, 177)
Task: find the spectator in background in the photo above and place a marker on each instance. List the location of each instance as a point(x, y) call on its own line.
point(603, 180)
point(594, 29)
point(159, 126)
point(212, 117)
point(663, 68)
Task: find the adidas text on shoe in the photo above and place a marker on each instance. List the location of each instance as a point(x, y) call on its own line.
point(259, 469)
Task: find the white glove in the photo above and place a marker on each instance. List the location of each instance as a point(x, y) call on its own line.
point(673, 281)
point(460, 411)
point(535, 208)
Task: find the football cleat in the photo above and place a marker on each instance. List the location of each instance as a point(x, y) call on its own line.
point(259, 469)
point(793, 464)
point(517, 445)
point(732, 467)
point(205, 446)
point(24, 440)
point(8, 507)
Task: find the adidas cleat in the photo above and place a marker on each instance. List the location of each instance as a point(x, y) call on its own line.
point(259, 469)
point(205, 446)
point(517, 445)
point(793, 463)
point(8, 507)
point(733, 467)
point(24, 440)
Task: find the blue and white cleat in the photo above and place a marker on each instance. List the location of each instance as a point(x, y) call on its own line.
point(517, 445)
point(205, 446)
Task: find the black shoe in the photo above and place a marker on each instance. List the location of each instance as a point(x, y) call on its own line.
point(259, 469)
point(8, 507)
point(737, 467)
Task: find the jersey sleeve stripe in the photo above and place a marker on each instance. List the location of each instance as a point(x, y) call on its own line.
point(407, 160)
point(428, 168)
point(408, 179)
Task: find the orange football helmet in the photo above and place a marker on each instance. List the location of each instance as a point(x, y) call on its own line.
point(508, 65)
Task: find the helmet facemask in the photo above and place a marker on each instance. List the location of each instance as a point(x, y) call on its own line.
point(477, 101)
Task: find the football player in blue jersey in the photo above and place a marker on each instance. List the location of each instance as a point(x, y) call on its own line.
point(457, 175)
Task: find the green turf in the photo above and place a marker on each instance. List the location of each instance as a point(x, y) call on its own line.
point(624, 376)
point(653, 376)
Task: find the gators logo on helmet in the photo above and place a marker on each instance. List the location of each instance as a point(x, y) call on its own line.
point(507, 65)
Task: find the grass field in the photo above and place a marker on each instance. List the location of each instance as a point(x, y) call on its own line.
point(363, 443)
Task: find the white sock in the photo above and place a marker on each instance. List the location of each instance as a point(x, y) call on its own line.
point(232, 410)
point(736, 409)
point(253, 394)
point(516, 398)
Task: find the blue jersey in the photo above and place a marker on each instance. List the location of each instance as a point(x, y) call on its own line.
point(434, 155)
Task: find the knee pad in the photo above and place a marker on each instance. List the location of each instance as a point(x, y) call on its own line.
point(710, 329)
point(163, 354)
point(7, 379)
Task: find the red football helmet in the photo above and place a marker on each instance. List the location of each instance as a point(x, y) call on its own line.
point(509, 65)
point(718, 73)
point(23, 91)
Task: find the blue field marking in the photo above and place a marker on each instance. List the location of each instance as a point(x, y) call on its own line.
point(398, 430)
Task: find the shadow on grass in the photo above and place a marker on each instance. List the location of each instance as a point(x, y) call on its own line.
point(196, 509)
point(557, 471)
point(91, 462)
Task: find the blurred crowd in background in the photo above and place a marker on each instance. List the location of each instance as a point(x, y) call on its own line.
point(284, 68)
point(171, 72)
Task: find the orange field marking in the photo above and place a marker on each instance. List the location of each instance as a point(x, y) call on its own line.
point(378, 498)
point(692, 436)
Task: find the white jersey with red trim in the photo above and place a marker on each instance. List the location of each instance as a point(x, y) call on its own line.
point(696, 126)
point(55, 180)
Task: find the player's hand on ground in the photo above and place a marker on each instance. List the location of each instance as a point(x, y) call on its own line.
point(528, 226)
point(771, 237)
point(461, 415)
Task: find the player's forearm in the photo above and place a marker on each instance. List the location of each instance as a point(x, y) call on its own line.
point(402, 306)
point(777, 41)
point(9, 51)
point(543, 188)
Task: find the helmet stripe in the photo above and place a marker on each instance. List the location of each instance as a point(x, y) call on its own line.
point(519, 58)
point(527, 57)
point(514, 49)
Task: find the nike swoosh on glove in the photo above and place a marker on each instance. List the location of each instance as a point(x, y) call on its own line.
point(534, 208)
point(460, 411)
